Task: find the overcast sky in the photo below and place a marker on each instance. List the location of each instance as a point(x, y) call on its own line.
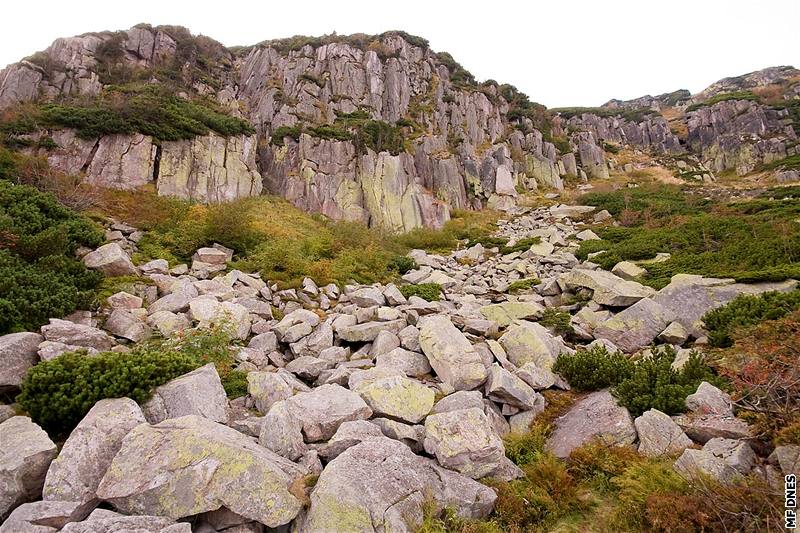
point(560, 52)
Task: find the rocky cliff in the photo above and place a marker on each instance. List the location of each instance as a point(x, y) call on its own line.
point(379, 129)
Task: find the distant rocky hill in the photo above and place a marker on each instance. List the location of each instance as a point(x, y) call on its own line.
point(379, 129)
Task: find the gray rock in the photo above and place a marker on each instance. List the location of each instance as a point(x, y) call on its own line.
point(538, 378)
point(709, 400)
point(701, 462)
point(124, 323)
point(607, 288)
point(368, 297)
point(25, 455)
point(18, 353)
point(786, 457)
point(42, 517)
point(199, 393)
point(168, 323)
point(124, 300)
point(111, 260)
point(267, 388)
point(86, 455)
point(381, 485)
point(77, 335)
point(635, 327)
point(702, 428)
point(281, 432)
point(504, 387)
point(689, 297)
point(409, 338)
point(324, 409)
point(597, 416)
point(464, 440)
point(459, 400)
point(627, 270)
point(530, 342)
point(348, 435)
point(368, 331)
point(190, 465)
point(674, 333)
point(450, 354)
point(413, 364)
point(102, 521)
point(659, 434)
point(737, 453)
point(308, 367)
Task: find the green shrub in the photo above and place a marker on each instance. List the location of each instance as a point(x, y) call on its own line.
point(747, 310)
point(559, 321)
point(39, 275)
point(755, 240)
point(427, 291)
point(148, 109)
point(594, 368)
point(523, 284)
point(654, 384)
point(402, 264)
point(58, 393)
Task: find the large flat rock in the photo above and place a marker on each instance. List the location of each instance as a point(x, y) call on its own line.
point(190, 465)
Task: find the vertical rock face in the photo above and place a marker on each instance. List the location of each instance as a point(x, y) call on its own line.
point(740, 134)
point(209, 169)
point(447, 142)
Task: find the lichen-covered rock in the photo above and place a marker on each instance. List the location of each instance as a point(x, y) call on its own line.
point(381, 485)
point(507, 312)
point(397, 397)
point(86, 455)
point(209, 168)
point(18, 353)
point(708, 399)
point(25, 454)
point(463, 440)
point(199, 392)
point(597, 416)
point(190, 465)
point(530, 342)
point(450, 354)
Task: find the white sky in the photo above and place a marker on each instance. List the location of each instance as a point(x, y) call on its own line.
point(560, 52)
